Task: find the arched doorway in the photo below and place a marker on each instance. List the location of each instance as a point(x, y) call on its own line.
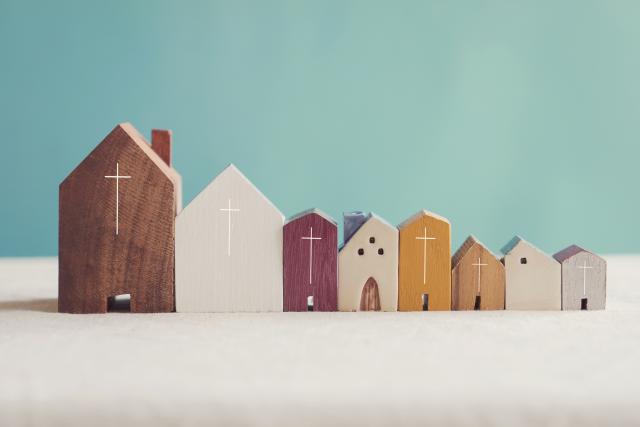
point(370, 298)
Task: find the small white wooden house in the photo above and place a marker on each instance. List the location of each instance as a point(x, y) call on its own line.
point(368, 264)
point(584, 279)
point(229, 249)
point(533, 278)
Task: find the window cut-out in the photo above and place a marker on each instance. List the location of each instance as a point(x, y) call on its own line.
point(360, 251)
point(119, 303)
point(523, 260)
point(477, 304)
point(372, 239)
point(310, 303)
point(380, 251)
point(584, 304)
point(425, 302)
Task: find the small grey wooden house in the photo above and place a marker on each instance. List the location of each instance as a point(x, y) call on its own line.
point(584, 279)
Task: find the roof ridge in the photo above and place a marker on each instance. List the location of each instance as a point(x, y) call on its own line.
point(312, 211)
point(421, 212)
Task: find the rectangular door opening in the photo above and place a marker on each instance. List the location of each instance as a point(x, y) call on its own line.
point(425, 302)
point(476, 306)
point(310, 303)
point(584, 304)
point(119, 304)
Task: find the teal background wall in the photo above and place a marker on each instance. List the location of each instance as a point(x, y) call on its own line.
point(505, 116)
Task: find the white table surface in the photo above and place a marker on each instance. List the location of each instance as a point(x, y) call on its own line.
point(316, 369)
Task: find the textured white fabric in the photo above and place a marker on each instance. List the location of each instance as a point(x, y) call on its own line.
point(316, 369)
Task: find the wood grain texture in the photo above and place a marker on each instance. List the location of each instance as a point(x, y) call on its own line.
point(95, 263)
point(229, 260)
point(310, 266)
point(377, 241)
point(467, 283)
point(584, 275)
point(424, 263)
point(370, 298)
point(161, 144)
point(533, 278)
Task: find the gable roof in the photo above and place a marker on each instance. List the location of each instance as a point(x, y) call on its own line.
point(312, 211)
point(231, 168)
point(420, 213)
point(511, 244)
point(462, 251)
point(137, 138)
point(569, 252)
point(371, 216)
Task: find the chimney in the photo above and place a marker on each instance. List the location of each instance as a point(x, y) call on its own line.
point(352, 222)
point(161, 144)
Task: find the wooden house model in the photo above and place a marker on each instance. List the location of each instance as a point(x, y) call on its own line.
point(229, 249)
point(368, 264)
point(424, 265)
point(310, 256)
point(532, 277)
point(584, 279)
point(477, 278)
point(116, 229)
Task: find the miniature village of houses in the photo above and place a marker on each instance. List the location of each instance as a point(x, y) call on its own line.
point(123, 232)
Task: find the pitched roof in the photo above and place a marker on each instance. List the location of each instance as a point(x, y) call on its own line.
point(379, 218)
point(137, 138)
point(568, 252)
point(511, 244)
point(420, 213)
point(462, 251)
point(231, 168)
point(515, 241)
point(370, 216)
point(146, 147)
point(312, 211)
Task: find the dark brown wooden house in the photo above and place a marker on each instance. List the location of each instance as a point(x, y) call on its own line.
point(310, 250)
point(116, 230)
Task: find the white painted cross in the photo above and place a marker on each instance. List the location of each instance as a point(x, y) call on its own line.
point(229, 210)
point(584, 269)
point(117, 177)
point(424, 239)
point(479, 265)
point(310, 238)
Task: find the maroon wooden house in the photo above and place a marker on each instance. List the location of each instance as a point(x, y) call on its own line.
point(310, 245)
point(117, 226)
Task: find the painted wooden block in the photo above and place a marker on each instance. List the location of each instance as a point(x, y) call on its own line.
point(424, 269)
point(229, 249)
point(310, 242)
point(477, 278)
point(368, 265)
point(584, 279)
point(116, 229)
point(532, 277)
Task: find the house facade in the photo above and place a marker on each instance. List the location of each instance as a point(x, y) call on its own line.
point(477, 278)
point(584, 279)
point(424, 268)
point(116, 227)
point(368, 265)
point(533, 278)
point(229, 249)
point(310, 253)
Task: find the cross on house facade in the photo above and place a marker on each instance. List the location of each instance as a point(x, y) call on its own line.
point(117, 177)
point(424, 239)
point(479, 264)
point(311, 238)
point(584, 267)
point(228, 210)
